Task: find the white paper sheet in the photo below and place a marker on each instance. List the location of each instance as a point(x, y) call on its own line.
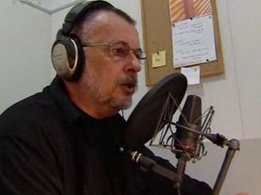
point(192, 74)
point(193, 41)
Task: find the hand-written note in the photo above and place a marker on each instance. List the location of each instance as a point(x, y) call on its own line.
point(193, 41)
point(159, 59)
point(192, 74)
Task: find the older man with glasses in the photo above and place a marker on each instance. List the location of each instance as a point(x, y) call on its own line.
point(67, 139)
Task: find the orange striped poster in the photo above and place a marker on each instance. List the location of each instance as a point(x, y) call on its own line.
point(185, 9)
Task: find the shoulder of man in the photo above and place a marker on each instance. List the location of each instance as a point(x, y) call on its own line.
point(28, 115)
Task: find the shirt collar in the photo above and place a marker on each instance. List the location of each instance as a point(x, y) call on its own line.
point(69, 110)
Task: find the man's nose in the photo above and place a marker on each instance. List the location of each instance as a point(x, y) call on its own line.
point(135, 62)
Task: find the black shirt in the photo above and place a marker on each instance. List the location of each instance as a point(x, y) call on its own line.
point(50, 147)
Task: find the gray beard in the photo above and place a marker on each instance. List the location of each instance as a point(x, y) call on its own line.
point(94, 90)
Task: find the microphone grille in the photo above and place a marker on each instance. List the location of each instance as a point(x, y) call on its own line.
point(191, 113)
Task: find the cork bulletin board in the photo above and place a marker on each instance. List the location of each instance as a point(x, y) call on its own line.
point(157, 31)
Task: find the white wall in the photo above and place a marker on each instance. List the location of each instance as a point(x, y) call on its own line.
point(246, 30)
point(235, 95)
point(24, 52)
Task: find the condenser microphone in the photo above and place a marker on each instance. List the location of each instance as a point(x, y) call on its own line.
point(186, 142)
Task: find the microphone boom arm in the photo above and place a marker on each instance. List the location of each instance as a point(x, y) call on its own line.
point(233, 146)
point(147, 164)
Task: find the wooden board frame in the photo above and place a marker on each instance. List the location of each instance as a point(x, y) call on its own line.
point(157, 36)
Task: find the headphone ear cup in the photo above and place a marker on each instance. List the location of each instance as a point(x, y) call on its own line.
point(67, 57)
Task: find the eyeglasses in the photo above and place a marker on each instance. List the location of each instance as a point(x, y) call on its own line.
point(120, 49)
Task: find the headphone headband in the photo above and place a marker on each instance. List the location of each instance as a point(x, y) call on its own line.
point(77, 11)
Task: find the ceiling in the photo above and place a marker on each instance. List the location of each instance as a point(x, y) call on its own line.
point(53, 4)
point(49, 6)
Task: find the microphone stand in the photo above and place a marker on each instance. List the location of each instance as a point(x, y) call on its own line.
point(181, 166)
point(233, 146)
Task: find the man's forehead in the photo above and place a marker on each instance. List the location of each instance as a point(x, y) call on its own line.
point(110, 25)
point(107, 17)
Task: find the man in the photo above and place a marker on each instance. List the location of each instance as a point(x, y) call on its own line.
point(66, 140)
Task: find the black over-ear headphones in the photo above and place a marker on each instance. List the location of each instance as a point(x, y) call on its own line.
point(67, 53)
